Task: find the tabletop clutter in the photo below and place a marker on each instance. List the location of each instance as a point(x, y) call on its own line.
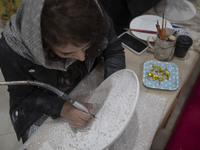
point(168, 42)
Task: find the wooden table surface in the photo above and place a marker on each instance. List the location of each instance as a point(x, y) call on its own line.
point(135, 63)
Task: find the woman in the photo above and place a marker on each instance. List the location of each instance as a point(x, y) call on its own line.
point(56, 42)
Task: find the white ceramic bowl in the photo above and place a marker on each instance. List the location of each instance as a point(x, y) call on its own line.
point(118, 95)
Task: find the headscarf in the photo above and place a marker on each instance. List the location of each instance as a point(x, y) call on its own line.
point(23, 35)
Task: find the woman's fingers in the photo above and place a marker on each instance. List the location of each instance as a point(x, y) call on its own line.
point(80, 122)
point(75, 116)
point(89, 106)
point(83, 116)
point(79, 118)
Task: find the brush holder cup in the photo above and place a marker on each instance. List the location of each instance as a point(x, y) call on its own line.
point(163, 48)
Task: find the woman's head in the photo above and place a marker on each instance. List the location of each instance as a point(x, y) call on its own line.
point(69, 27)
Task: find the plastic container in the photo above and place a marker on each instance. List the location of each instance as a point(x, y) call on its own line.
point(183, 43)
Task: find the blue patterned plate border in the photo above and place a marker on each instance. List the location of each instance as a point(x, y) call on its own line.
point(167, 84)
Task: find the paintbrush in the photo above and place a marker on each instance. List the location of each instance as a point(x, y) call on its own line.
point(158, 29)
point(143, 31)
point(162, 26)
point(165, 29)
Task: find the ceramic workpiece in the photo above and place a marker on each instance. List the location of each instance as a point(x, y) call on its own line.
point(116, 99)
point(179, 10)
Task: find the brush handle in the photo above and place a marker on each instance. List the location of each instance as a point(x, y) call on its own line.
point(143, 31)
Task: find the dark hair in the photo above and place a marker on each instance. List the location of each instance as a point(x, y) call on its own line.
point(72, 21)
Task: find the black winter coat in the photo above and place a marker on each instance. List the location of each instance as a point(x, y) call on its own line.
point(29, 103)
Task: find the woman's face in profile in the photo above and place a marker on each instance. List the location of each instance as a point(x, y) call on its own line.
point(75, 51)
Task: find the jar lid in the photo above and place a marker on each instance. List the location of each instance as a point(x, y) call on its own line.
point(184, 40)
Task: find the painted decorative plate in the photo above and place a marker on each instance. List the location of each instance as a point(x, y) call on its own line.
point(168, 83)
point(146, 22)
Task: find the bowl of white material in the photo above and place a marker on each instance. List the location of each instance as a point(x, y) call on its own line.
point(118, 96)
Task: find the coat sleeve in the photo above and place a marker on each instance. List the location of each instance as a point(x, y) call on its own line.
point(26, 98)
point(114, 57)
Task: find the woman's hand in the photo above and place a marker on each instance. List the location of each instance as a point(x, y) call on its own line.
point(74, 116)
